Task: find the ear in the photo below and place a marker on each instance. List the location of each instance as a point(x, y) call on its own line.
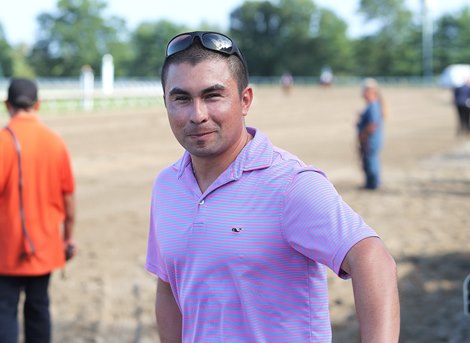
point(37, 105)
point(247, 99)
point(9, 107)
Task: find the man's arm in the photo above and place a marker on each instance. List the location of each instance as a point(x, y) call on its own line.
point(374, 279)
point(368, 130)
point(69, 222)
point(168, 314)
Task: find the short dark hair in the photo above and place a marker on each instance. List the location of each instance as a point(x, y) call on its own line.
point(196, 53)
point(22, 93)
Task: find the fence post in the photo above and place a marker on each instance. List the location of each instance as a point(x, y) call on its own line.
point(87, 80)
point(107, 74)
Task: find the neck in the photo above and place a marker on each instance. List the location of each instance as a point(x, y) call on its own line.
point(21, 113)
point(206, 171)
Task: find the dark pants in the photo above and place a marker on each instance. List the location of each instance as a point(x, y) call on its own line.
point(371, 166)
point(464, 119)
point(37, 320)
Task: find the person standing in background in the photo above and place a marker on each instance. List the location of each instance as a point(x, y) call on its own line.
point(287, 82)
point(37, 211)
point(462, 104)
point(326, 77)
point(370, 133)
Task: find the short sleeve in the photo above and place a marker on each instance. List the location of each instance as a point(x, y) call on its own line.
point(154, 262)
point(375, 114)
point(68, 183)
point(6, 147)
point(318, 223)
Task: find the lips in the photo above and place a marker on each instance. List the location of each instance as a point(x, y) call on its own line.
point(200, 134)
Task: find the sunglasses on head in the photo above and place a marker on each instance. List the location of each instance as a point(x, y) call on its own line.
point(210, 40)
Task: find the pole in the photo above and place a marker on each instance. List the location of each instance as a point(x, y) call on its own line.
point(427, 41)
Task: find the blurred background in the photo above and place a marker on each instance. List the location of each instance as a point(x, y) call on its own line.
point(396, 41)
point(98, 67)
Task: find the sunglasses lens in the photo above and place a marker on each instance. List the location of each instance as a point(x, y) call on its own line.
point(217, 42)
point(178, 44)
point(210, 40)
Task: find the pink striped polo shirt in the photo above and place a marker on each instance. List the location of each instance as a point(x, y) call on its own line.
point(246, 259)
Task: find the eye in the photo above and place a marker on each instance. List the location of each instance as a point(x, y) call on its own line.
point(181, 98)
point(213, 96)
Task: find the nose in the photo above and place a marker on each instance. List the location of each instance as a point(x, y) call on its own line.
point(199, 113)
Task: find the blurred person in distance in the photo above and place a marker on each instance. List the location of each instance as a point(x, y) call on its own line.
point(462, 105)
point(370, 133)
point(287, 82)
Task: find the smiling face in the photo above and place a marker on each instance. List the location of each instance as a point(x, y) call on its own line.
point(205, 109)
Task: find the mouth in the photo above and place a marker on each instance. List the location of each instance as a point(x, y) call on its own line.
point(199, 134)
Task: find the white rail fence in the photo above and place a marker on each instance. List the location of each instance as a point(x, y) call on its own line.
point(64, 94)
point(69, 94)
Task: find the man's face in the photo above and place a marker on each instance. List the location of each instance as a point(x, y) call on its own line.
point(205, 110)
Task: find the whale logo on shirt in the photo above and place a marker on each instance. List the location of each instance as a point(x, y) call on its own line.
point(236, 229)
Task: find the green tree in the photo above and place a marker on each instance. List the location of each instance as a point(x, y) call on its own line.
point(395, 49)
point(384, 11)
point(256, 26)
point(297, 48)
point(293, 35)
point(452, 39)
point(333, 47)
point(6, 57)
point(75, 35)
point(148, 43)
point(21, 67)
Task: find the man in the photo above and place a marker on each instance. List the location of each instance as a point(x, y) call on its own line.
point(462, 104)
point(36, 200)
point(370, 132)
point(241, 231)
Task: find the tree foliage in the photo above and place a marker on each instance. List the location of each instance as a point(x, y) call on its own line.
point(292, 35)
point(77, 34)
point(452, 39)
point(274, 35)
point(384, 11)
point(6, 57)
point(333, 47)
point(148, 45)
point(395, 48)
point(256, 26)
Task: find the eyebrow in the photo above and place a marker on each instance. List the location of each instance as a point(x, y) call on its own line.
point(216, 87)
point(177, 90)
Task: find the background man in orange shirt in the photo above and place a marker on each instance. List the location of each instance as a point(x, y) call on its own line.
point(37, 212)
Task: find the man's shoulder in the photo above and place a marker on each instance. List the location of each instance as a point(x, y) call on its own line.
point(170, 172)
point(288, 164)
point(286, 158)
point(3, 131)
point(53, 137)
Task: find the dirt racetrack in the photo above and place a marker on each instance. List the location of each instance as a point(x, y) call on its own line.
point(422, 212)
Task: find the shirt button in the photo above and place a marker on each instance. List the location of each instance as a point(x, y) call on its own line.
point(201, 202)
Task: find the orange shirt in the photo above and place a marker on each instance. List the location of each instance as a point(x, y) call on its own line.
point(47, 175)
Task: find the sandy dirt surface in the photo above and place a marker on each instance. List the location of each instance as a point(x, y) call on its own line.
point(422, 212)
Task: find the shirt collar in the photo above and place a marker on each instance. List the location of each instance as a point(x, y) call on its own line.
point(257, 154)
point(24, 116)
